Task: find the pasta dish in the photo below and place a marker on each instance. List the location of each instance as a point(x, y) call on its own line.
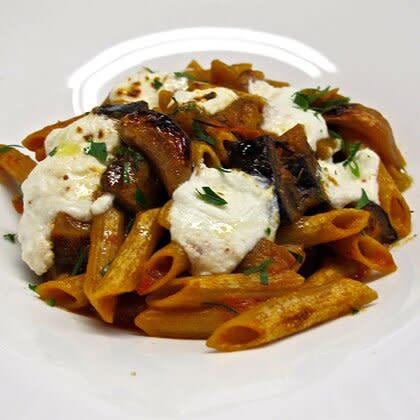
point(211, 204)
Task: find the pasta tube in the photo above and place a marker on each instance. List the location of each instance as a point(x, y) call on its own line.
point(163, 218)
point(366, 250)
point(67, 292)
point(324, 227)
point(123, 272)
point(16, 165)
point(163, 266)
point(237, 290)
point(285, 315)
point(204, 153)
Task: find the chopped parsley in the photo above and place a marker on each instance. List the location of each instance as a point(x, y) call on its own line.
point(105, 269)
point(199, 133)
point(140, 198)
point(299, 258)
point(337, 136)
point(11, 237)
point(363, 201)
point(97, 150)
point(53, 151)
point(129, 152)
point(148, 69)
point(267, 231)
point(32, 287)
point(221, 305)
point(305, 99)
point(81, 260)
point(209, 196)
point(262, 270)
point(352, 150)
point(355, 311)
point(184, 74)
point(223, 170)
point(4, 149)
point(50, 302)
point(126, 172)
point(129, 225)
point(157, 84)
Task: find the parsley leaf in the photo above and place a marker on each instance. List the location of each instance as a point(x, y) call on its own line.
point(354, 311)
point(81, 260)
point(262, 269)
point(97, 150)
point(184, 74)
point(53, 151)
point(337, 136)
point(126, 172)
point(32, 287)
point(223, 170)
point(305, 99)
point(50, 302)
point(157, 84)
point(199, 133)
point(129, 152)
point(221, 305)
point(363, 201)
point(352, 149)
point(140, 198)
point(148, 69)
point(209, 196)
point(11, 237)
point(4, 149)
point(267, 231)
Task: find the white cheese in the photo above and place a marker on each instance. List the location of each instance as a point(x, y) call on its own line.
point(216, 238)
point(343, 187)
point(212, 100)
point(141, 86)
point(64, 182)
point(281, 113)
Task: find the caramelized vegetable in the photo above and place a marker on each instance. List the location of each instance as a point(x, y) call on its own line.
point(379, 226)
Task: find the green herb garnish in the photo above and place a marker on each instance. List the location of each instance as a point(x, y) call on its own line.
point(262, 269)
point(157, 84)
point(53, 151)
point(32, 287)
point(105, 269)
point(354, 311)
point(221, 305)
point(4, 149)
point(299, 258)
point(209, 196)
point(126, 172)
point(267, 231)
point(97, 150)
point(50, 302)
point(129, 152)
point(184, 74)
point(363, 201)
point(223, 170)
point(352, 150)
point(129, 225)
point(337, 136)
point(81, 260)
point(11, 237)
point(140, 198)
point(148, 69)
point(305, 99)
point(199, 133)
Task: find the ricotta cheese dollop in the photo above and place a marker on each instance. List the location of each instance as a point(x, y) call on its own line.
point(216, 238)
point(66, 181)
point(145, 86)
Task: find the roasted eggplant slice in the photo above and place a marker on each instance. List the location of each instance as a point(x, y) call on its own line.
point(119, 110)
point(163, 143)
point(379, 226)
point(131, 177)
point(290, 162)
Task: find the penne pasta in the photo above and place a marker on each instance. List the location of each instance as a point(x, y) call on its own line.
point(163, 218)
point(221, 137)
point(182, 324)
point(323, 227)
point(16, 165)
point(203, 153)
point(66, 292)
point(236, 290)
point(366, 250)
point(394, 203)
point(106, 237)
point(285, 315)
point(162, 267)
point(123, 272)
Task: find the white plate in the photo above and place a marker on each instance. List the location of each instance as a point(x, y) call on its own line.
point(60, 59)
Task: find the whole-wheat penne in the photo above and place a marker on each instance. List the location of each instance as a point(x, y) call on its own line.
point(183, 323)
point(203, 153)
point(366, 250)
point(221, 137)
point(123, 272)
point(163, 266)
point(393, 203)
point(323, 227)
point(16, 165)
point(232, 289)
point(163, 218)
point(285, 315)
point(106, 237)
point(67, 292)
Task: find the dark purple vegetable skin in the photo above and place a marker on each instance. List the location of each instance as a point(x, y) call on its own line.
point(379, 225)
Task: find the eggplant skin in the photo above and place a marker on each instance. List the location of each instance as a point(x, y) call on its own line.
point(164, 144)
point(379, 226)
point(120, 110)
